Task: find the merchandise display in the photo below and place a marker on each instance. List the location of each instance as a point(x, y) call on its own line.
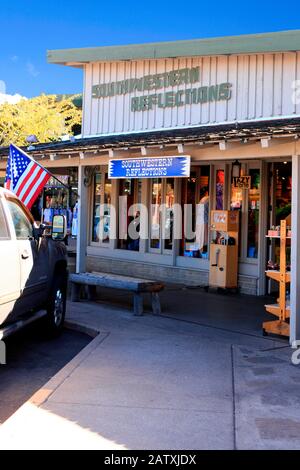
point(280, 273)
point(75, 221)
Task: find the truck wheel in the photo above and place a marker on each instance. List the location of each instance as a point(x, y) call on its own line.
point(56, 307)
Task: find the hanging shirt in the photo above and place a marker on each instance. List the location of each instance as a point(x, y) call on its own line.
point(48, 215)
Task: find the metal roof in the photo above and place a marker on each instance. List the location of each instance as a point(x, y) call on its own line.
point(281, 41)
point(209, 134)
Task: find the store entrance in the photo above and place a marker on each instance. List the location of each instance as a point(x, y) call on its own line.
point(280, 206)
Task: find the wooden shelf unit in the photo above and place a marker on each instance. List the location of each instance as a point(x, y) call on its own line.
point(278, 276)
point(280, 309)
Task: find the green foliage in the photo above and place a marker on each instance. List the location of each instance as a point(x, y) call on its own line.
point(283, 211)
point(46, 116)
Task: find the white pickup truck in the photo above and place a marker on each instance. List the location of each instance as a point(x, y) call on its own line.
point(33, 268)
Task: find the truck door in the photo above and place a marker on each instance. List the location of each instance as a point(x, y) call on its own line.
point(9, 268)
point(33, 259)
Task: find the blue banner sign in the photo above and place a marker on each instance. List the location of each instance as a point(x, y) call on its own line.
point(155, 167)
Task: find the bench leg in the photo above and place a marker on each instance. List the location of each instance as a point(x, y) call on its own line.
point(91, 292)
point(138, 304)
point(75, 292)
point(156, 309)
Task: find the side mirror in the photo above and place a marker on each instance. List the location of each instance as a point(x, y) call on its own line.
point(59, 227)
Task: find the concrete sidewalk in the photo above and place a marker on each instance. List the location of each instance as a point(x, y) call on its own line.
point(168, 382)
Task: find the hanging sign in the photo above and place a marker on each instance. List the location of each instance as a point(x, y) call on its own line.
point(241, 182)
point(155, 167)
point(58, 181)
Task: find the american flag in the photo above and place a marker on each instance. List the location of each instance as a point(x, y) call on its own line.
point(24, 176)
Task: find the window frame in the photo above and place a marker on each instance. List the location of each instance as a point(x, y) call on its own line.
point(6, 224)
point(197, 169)
point(136, 200)
point(103, 171)
point(161, 250)
point(243, 237)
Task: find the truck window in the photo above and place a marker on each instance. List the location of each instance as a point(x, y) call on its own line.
point(4, 233)
point(22, 224)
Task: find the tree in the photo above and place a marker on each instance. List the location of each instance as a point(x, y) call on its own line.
point(47, 116)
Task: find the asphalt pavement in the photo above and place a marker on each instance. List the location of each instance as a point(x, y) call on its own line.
point(32, 359)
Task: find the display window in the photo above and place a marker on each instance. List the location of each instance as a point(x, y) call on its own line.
point(106, 210)
point(129, 214)
point(247, 202)
point(101, 222)
point(253, 214)
point(155, 218)
point(178, 209)
point(96, 207)
point(220, 189)
point(195, 202)
point(161, 227)
point(168, 215)
point(59, 197)
point(280, 205)
point(283, 192)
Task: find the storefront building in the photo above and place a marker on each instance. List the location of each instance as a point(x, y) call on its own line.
point(59, 196)
point(221, 108)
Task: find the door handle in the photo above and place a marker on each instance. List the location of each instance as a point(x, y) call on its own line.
point(25, 254)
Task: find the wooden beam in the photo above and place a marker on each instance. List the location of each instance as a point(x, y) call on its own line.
point(250, 150)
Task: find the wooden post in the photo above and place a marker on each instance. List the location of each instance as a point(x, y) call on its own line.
point(155, 303)
point(91, 292)
point(138, 303)
point(75, 292)
point(82, 223)
point(282, 282)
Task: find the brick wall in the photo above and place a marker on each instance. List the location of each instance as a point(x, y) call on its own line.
point(187, 276)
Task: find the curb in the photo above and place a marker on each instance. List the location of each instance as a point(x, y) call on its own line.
point(87, 330)
point(44, 393)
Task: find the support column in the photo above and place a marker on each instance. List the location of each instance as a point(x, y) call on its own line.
point(177, 220)
point(114, 215)
point(82, 222)
point(263, 227)
point(295, 252)
point(144, 225)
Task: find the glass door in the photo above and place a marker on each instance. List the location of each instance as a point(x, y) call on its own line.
point(195, 204)
point(129, 214)
point(155, 214)
point(168, 215)
point(161, 232)
point(280, 206)
point(101, 222)
point(220, 188)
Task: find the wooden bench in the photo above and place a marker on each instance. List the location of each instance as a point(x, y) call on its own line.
point(114, 281)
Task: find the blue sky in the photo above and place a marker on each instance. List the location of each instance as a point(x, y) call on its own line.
point(29, 28)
